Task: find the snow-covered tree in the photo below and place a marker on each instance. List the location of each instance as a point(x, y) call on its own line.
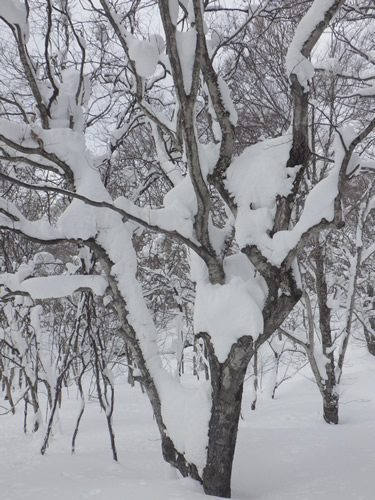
point(153, 72)
point(261, 90)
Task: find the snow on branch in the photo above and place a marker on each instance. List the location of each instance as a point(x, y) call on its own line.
point(14, 13)
point(307, 34)
point(48, 287)
point(259, 176)
point(22, 143)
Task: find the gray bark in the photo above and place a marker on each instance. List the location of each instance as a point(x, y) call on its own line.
point(328, 386)
point(227, 386)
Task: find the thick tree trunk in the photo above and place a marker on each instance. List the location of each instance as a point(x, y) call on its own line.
point(369, 336)
point(331, 407)
point(227, 386)
point(370, 340)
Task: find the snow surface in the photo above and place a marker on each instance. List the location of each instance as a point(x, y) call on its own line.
point(285, 451)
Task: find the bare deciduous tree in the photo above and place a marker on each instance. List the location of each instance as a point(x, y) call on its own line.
point(243, 265)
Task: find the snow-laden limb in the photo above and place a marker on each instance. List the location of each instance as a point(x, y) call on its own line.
point(175, 217)
point(230, 311)
point(185, 411)
point(332, 66)
point(183, 48)
point(306, 35)
point(168, 167)
point(63, 286)
point(64, 109)
point(255, 179)
point(144, 54)
point(367, 91)
point(22, 143)
point(227, 101)
point(186, 46)
point(14, 12)
point(145, 60)
point(64, 152)
point(260, 175)
point(84, 216)
point(319, 207)
point(50, 286)
point(40, 230)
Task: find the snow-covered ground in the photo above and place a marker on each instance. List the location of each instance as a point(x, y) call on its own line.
point(285, 451)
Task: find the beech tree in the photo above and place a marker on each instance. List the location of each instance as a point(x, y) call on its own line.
point(77, 80)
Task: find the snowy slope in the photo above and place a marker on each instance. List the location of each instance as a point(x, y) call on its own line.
point(285, 451)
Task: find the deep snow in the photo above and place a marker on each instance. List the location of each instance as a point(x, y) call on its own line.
point(285, 451)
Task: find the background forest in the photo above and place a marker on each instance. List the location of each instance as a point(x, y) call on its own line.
point(186, 215)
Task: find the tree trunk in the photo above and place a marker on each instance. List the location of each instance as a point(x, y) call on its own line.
point(227, 386)
point(369, 335)
point(329, 389)
point(129, 358)
point(9, 396)
point(35, 404)
point(370, 341)
point(331, 407)
point(255, 384)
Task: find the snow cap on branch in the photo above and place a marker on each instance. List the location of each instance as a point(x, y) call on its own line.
point(14, 12)
point(296, 60)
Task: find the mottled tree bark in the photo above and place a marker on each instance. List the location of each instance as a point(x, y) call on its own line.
point(369, 334)
point(227, 385)
point(370, 341)
point(328, 386)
